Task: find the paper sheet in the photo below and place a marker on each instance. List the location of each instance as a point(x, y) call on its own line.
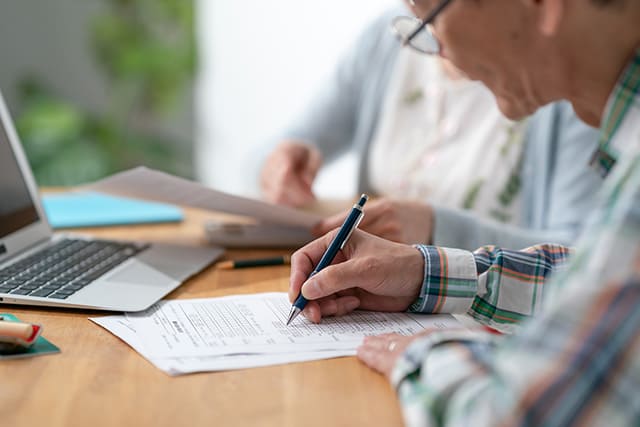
point(182, 336)
point(144, 183)
point(119, 326)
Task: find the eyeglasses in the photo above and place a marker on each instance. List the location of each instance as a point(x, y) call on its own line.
point(418, 34)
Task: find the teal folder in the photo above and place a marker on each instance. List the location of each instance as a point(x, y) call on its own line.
point(89, 209)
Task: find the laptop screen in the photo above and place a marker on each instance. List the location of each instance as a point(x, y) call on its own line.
point(16, 207)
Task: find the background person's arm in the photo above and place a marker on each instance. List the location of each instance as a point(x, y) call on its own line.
point(558, 184)
point(332, 117)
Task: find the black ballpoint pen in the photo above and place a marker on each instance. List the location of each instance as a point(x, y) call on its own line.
point(349, 224)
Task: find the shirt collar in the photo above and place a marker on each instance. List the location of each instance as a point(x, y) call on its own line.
point(620, 100)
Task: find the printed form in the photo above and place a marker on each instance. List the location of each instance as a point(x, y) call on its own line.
point(253, 327)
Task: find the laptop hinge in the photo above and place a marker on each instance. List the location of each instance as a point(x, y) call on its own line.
point(3, 249)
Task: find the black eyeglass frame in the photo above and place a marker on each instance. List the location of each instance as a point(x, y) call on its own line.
point(426, 21)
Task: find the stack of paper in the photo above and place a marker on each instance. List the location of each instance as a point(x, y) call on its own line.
point(214, 334)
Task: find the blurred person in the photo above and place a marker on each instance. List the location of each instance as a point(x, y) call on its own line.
point(450, 168)
point(575, 361)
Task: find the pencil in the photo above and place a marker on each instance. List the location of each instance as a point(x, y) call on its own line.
point(256, 262)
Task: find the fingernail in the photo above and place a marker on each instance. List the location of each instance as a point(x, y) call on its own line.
point(310, 289)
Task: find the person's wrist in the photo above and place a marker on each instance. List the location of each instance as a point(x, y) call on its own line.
point(414, 269)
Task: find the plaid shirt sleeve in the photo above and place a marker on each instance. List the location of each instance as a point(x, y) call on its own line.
point(497, 287)
point(574, 367)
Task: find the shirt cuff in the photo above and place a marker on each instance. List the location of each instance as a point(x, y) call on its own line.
point(415, 357)
point(450, 281)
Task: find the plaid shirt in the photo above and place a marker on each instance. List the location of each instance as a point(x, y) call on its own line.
point(577, 361)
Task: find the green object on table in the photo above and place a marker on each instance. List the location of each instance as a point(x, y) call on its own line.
point(39, 348)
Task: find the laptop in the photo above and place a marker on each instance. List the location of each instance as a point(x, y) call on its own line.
point(42, 269)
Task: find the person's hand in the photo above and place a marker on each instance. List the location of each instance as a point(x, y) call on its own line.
point(401, 221)
point(381, 353)
point(288, 173)
point(368, 273)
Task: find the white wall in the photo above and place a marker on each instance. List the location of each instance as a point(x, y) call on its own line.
point(259, 61)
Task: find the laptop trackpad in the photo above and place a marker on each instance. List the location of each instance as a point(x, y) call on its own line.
point(137, 273)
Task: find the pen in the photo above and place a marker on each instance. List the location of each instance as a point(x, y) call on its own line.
point(349, 224)
point(257, 262)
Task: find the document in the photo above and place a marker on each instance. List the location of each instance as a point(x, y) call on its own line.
point(173, 366)
point(182, 336)
point(148, 184)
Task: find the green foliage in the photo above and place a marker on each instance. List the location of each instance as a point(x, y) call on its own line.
point(146, 51)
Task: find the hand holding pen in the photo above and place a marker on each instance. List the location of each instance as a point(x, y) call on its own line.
point(369, 273)
point(350, 223)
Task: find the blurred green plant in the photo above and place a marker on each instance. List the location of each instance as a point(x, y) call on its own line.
point(146, 51)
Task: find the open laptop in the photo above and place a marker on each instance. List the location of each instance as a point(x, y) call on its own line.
point(40, 268)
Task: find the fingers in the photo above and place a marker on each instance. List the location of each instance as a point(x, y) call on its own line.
point(314, 161)
point(339, 306)
point(328, 224)
point(382, 352)
point(381, 218)
point(336, 278)
point(298, 193)
point(288, 174)
point(304, 260)
point(316, 310)
point(312, 312)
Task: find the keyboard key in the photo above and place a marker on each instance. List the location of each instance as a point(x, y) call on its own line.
point(58, 296)
point(42, 293)
point(21, 292)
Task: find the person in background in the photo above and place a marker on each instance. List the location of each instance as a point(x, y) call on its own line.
point(449, 167)
point(576, 362)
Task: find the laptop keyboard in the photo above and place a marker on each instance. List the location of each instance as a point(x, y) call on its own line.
point(64, 268)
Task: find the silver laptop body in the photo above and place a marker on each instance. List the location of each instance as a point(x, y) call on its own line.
point(133, 285)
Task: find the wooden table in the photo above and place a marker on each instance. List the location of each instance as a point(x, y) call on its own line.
point(97, 380)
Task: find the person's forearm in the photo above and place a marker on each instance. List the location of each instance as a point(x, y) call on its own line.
point(498, 287)
point(456, 228)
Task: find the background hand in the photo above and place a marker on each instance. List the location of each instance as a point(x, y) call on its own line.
point(381, 353)
point(368, 273)
point(288, 174)
point(401, 221)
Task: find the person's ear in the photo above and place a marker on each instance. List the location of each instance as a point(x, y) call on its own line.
point(551, 13)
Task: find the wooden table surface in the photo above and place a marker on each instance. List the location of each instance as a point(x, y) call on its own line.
point(97, 380)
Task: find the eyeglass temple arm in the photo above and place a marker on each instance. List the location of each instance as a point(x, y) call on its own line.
point(426, 21)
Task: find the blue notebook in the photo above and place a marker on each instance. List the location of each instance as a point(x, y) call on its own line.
point(88, 209)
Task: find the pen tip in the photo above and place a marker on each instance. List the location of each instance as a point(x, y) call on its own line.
point(293, 314)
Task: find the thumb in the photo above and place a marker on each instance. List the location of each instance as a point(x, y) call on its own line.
point(331, 280)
